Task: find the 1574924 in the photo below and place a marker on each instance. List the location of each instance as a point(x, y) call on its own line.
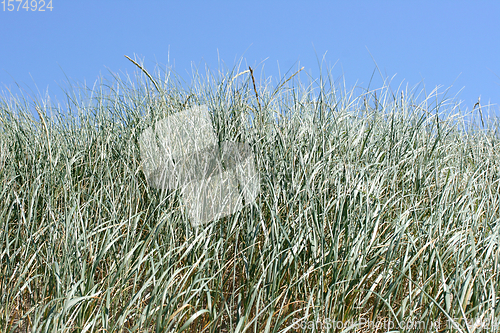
point(27, 5)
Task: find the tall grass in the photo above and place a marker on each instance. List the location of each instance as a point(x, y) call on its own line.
point(375, 208)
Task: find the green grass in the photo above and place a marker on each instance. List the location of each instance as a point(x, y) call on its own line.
point(375, 206)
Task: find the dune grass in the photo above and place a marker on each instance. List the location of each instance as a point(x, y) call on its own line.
point(376, 208)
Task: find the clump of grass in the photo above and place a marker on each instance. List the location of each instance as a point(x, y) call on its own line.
point(377, 207)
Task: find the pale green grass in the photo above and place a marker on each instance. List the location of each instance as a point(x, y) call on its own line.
point(373, 207)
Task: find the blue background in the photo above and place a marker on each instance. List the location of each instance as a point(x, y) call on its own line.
point(436, 43)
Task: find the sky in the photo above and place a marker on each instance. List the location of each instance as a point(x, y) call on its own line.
point(451, 44)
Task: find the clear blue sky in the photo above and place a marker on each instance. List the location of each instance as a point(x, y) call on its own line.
point(438, 42)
